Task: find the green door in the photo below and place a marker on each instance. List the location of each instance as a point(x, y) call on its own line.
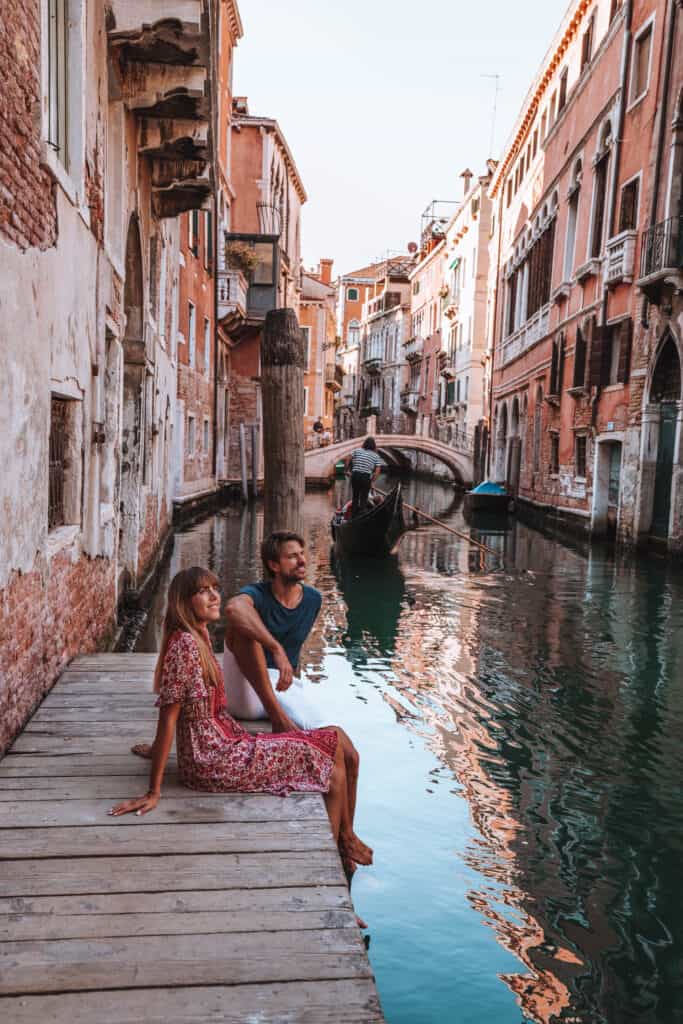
point(664, 472)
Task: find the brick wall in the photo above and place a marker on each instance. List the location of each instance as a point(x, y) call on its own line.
point(40, 631)
point(195, 389)
point(28, 215)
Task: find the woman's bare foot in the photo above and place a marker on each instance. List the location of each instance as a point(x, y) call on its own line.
point(142, 750)
point(360, 922)
point(352, 848)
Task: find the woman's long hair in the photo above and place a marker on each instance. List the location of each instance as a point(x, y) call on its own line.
point(179, 615)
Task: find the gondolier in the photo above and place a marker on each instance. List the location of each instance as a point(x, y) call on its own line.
point(365, 465)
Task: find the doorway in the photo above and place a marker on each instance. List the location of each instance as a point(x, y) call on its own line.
point(665, 395)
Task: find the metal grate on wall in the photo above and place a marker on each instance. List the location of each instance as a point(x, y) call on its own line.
point(59, 418)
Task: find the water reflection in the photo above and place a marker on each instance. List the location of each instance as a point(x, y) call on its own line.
point(520, 721)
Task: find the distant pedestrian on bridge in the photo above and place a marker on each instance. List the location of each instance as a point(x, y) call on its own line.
point(365, 465)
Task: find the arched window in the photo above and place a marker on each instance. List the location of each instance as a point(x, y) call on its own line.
point(572, 218)
point(666, 379)
point(600, 191)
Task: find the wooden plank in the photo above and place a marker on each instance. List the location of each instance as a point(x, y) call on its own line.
point(258, 901)
point(34, 766)
point(32, 877)
point(240, 958)
point(301, 1002)
point(191, 809)
point(228, 837)
point(77, 727)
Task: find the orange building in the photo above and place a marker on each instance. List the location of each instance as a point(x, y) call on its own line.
point(322, 376)
point(352, 292)
point(260, 271)
point(568, 212)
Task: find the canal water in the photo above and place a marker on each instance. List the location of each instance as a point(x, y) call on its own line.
point(520, 723)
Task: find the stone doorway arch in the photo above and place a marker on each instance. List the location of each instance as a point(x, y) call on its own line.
point(662, 478)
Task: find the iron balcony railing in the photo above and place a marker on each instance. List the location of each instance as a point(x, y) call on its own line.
point(662, 246)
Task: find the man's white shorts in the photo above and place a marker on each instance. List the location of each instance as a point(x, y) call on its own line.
point(243, 701)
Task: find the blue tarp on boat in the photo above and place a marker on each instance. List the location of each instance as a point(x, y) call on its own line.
point(488, 487)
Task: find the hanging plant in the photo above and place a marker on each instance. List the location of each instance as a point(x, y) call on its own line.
point(241, 256)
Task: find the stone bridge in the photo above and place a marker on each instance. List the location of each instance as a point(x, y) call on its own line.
point(320, 462)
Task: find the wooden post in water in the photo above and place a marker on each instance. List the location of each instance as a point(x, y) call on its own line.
point(282, 390)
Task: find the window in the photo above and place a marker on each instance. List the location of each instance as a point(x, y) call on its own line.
point(599, 197)
point(557, 366)
point(305, 401)
point(554, 454)
point(628, 212)
point(611, 353)
point(508, 198)
point(191, 335)
point(58, 78)
point(553, 102)
point(580, 444)
point(59, 427)
point(572, 218)
point(206, 437)
point(534, 144)
point(306, 331)
point(562, 102)
point(207, 343)
point(352, 294)
point(587, 44)
point(640, 72)
point(544, 124)
point(193, 231)
point(191, 438)
point(208, 239)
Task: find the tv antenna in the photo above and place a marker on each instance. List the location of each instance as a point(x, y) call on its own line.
point(496, 90)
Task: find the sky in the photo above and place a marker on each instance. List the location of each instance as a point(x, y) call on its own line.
point(384, 104)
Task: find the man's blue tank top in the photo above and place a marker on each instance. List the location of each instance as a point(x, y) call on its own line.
point(289, 626)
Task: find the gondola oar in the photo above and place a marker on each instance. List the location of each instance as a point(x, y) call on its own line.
point(438, 522)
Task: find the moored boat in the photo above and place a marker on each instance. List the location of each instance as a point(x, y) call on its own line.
point(373, 532)
point(489, 497)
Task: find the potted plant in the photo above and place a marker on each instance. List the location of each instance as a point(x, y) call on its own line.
point(241, 256)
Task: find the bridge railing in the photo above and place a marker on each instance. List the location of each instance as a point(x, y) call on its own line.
point(461, 440)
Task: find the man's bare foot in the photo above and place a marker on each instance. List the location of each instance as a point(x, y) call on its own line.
point(352, 848)
point(142, 750)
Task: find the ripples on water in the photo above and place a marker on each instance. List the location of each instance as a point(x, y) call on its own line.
point(520, 726)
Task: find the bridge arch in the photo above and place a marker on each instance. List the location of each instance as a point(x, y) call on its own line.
point(320, 462)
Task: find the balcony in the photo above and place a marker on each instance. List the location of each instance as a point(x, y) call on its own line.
point(447, 370)
point(532, 331)
point(409, 400)
point(334, 377)
point(247, 285)
point(620, 253)
point(160, 54)
point(369, 410)
point(232, 294)
point(661, 259)
point(450, 303)
point(385, 302)
point(373, 365)
point(591, 268)
point(412, 349)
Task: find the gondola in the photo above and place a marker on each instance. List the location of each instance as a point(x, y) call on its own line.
point(489, 497)
point(373, 532)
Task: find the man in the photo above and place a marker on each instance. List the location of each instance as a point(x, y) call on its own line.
point(267, 624)
point(365, 466)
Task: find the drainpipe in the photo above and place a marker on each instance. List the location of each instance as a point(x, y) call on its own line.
point(495, 327)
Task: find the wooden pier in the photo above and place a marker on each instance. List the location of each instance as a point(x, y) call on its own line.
point(221, 908)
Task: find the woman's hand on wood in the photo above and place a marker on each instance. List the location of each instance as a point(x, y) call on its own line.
point(138, 805)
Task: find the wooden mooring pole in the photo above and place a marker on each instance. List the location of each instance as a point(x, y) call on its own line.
point(282, 390)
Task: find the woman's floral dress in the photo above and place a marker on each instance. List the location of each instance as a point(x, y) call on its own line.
point(216, 754)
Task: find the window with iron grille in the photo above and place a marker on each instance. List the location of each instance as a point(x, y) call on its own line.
point(59, 430)
point(580, 455)
point(554, 454)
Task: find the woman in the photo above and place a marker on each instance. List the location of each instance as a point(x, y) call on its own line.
point(215, 753)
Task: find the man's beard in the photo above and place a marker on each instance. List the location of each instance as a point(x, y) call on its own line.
point(289, 578)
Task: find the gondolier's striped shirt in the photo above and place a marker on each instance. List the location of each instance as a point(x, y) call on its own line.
point(364, 460)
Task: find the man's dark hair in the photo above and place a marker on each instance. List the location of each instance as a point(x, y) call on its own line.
point(271, 546)
point(369, 443)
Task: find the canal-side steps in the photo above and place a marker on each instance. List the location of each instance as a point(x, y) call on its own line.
point(227, 908)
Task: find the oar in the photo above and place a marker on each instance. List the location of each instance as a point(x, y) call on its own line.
point(438, 522)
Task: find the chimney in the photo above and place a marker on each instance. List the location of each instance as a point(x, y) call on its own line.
point(467, 178)
point(325, 271)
